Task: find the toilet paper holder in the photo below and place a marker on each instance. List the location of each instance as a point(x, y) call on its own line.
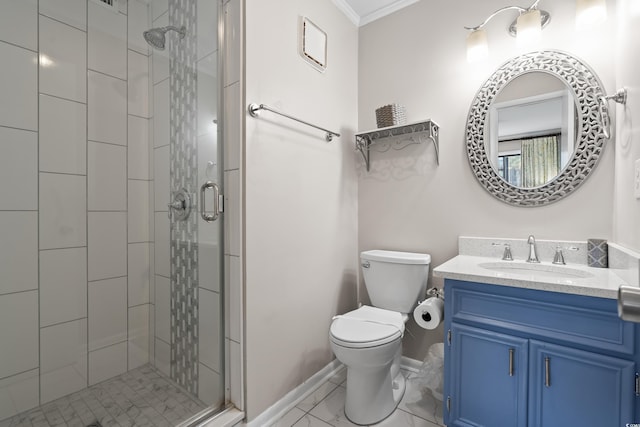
point(629, 303)
point(434, 292)
point(429, 313)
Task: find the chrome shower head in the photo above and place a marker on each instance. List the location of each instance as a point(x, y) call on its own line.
point(156, 36)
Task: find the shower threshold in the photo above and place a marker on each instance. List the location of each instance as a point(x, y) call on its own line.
point(142, 397)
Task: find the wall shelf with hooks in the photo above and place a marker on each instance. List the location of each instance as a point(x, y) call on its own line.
point(413, 131)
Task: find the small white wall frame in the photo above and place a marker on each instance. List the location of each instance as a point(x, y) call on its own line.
point(313, 44)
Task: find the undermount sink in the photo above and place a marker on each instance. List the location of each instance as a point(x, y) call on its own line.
point(538, 270)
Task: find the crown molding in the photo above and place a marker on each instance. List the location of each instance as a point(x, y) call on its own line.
point(359, 21)
point(348, 11)
point(384, 11)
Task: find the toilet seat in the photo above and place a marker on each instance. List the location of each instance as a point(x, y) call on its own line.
point(367, 327)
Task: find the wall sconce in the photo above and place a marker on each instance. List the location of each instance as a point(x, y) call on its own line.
point(526, 28)
point(590, 13)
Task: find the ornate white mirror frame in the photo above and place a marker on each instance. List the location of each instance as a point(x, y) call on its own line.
point(588, 94)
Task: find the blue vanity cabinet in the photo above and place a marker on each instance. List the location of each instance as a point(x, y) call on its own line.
point(488, 371)
point(520, 357)
point(575, 387)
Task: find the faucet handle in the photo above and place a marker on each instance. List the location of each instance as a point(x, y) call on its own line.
point(506, 255)
point(558, 258)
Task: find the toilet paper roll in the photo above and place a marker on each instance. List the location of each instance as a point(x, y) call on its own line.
point(429, 313)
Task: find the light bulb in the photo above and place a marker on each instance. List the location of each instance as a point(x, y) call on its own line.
point(477, 48)
point(590, 13)
point(529, 28)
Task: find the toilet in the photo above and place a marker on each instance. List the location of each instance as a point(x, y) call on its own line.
point(368, 340)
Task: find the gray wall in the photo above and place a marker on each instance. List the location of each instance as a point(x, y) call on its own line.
point(301, 196)
point(626, 206)
point(417, 58)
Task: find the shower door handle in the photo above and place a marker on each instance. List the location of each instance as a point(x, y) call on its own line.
point(216, 201)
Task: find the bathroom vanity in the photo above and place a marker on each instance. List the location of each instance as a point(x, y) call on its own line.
point(536, 345)
point(528, 343)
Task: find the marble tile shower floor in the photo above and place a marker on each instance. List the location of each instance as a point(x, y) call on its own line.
point(142, 397)
point(325, 407)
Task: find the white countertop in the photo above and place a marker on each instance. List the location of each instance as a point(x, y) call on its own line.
point(601, 282)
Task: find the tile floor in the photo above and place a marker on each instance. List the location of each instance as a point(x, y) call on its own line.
point(325, 407)
point(142, 397)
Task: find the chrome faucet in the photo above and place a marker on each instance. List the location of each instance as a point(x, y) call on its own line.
point(533, 256)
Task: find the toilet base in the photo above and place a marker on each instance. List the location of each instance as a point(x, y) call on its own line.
point(373, 394)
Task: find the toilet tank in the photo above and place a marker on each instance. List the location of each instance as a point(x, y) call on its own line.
point(395, 280)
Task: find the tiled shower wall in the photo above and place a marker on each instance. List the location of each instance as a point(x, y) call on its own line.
point(75, 206)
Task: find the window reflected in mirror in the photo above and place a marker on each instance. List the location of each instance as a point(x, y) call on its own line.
point(529, 162)
point(510, 169)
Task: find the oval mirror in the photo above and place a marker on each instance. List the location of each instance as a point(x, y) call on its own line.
point(534, 130)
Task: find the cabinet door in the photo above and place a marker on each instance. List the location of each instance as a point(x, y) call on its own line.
point(488, 374)
point(569, 387)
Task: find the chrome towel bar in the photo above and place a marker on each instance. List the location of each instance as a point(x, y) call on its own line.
point(254, 111)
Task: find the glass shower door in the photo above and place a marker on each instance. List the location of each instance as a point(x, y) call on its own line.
point(196, 300)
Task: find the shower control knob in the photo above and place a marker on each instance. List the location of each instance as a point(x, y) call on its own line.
point(180, 207)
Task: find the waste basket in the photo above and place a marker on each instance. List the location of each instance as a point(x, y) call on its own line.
point(431, 374)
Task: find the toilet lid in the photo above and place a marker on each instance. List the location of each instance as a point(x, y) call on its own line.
point(367, 327)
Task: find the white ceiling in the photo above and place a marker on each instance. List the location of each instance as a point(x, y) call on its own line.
point(362, 12)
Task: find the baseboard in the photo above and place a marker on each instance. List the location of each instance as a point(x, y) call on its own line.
point(298, 394)
point(295, 396)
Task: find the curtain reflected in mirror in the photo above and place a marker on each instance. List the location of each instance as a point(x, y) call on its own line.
point(540, 161)
point(535, 162)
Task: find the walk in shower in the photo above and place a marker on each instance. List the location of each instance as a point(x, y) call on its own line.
point(111, 296)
